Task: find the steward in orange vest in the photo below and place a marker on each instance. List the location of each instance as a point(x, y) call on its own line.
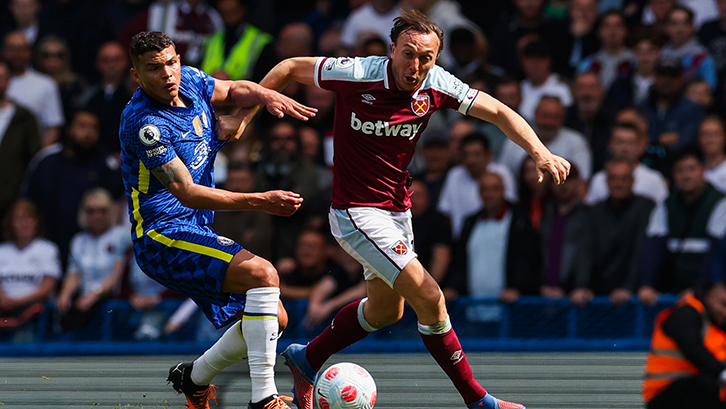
point(686, 366)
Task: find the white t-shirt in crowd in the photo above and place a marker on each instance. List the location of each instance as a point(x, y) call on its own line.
point(717, 176)
point(39, 93)
point(22, 270)
point(460, 194)
point(95, 257)
point(647, 182)
point(531, 94)
point(568, 144)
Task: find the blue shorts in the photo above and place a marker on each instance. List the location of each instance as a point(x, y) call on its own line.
point(192, 260)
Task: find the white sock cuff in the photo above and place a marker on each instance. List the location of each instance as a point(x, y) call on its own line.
point(262, 301)
point(362, 319)
point(439, 328)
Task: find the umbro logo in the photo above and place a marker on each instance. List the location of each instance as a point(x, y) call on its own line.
point(457, 356)
point(367, 99)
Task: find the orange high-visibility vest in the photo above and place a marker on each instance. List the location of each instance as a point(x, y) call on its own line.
point(665, 363)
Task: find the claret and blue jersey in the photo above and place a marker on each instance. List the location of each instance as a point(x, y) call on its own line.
point(151, 135)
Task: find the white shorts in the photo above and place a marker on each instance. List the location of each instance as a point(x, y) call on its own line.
point(380, 240)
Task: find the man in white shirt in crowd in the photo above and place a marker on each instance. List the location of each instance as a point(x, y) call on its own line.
point(536, 59)
point(562, 141)
point(31, 89)
point(460, 192)
point(628, 144)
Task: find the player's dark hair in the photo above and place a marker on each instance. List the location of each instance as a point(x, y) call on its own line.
point(418, 22)
point(146, 41)
point(476, 137)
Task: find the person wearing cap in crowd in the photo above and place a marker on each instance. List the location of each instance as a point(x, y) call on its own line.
point(673, 119)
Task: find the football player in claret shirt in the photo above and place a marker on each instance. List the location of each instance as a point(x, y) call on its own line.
point(382, 106)
point(169, 137)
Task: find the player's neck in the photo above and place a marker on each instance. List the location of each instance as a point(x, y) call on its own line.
point(178, 101)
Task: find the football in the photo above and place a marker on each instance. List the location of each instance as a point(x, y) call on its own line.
point(345, 386)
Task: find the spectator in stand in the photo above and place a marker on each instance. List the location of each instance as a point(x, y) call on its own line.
point(252, 230)
point(29, 270)
point(31, 89)
point(699, 91)
point(682, 232)
point(145, 295)
point(85, 26)
point(373, 45)
point(53, 59)
point(613, 245)
point(109, 96)
point(497, 254)
point(533, 195)
point(375, 16)
point(713, 35)
point(96, 264)
point(25, 17)
point(433, 232)
point(469, 54)
point(563, 227)
point(583, 17)
point(507, 91)
point(526, 24)
point(460, 196)
point(591, 114)
point(614, 60)
point(186, 22)
point(683, 44)
point(628, 144)
point(447, 15)
point(672, 118)
point(239, 50)
point(336, 289)
point(654, 17)
point(58, 178)
point(635, 87)
point(19, 142)
point(312, 262)
point(540, 80)
point(436, 156)
point(712, 141)
point(282, 167)
point(562, 141)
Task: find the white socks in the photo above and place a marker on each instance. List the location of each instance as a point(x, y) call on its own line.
point(259, 328)
point(230, 348)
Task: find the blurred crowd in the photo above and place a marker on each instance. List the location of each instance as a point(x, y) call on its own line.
point(631, 92)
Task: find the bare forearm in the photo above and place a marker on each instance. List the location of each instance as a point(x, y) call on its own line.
point(43, 293)
point(207, 198)
point(511, 123)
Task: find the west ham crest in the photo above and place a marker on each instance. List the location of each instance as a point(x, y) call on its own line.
point(420, 105)
point(400, 248)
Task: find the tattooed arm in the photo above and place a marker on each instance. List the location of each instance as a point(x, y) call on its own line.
point(175, 176)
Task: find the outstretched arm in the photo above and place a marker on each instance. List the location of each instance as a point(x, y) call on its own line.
point(247, 94)
point(175, 176)
point(518, 130)
point(298, 69)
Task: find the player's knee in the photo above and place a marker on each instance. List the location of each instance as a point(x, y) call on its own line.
point(264, 274)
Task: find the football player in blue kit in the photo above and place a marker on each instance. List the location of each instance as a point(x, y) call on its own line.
point(169, 138)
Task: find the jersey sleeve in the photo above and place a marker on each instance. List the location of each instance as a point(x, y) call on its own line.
point(453, 92)
point(332, 73)
point(150, 141)
point(199, 80)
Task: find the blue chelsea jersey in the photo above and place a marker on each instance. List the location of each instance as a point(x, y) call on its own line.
point(151, 135)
